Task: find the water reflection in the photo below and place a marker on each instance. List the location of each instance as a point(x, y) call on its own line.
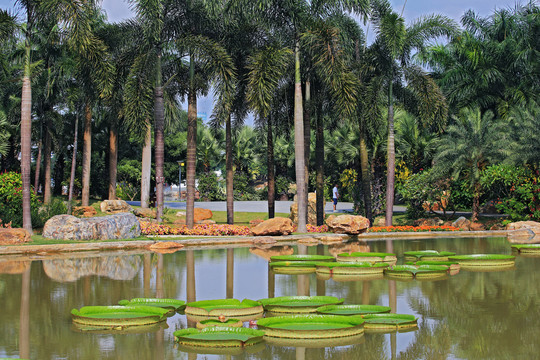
point(471, 315)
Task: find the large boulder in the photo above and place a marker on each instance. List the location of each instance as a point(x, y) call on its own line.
point(347, 224)
point(462, 223)
point(115, 206)
point(428, 222)
point(84, 211)
point(312, 209)
point(13, 236)
point(117, 226)
point(145, 213)
point(275, 226)
point(521, 225)
point(200, 214)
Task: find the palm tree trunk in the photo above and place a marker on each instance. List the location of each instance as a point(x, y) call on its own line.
point(391, 161)
point(271, 171)
point(299, 144)
point(307, 141)
point(47, 161)
point(26, 137)
point(87, 153)
point(476, 202)
point(319, 165)
point(146, 170)
point(191, 149)
point(73, 163)
point(229, 170)
point(113, 158)
point(159, 118)
point(364, 170)
point(38, 166)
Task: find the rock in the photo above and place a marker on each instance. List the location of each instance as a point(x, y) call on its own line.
point(428, 222)
point(312, 209)
point(84, 211)
point(181, 213)
point(275, 226)
point(347, 224)
point(14, 236)
point(145, 213)
point(115, 206)
point(68, 227)
point(14, 266)
point(477, 226)
point(530, 225)
point(207, 222)
point(308, 241)
point(113, 267)
point(462, 223)
point(263, 241)
point(328, 240)
point(201, 214)
point(497, 227)
point(255, 222)
point(165, 247)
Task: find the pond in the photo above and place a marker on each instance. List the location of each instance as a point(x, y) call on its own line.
point(471, 315)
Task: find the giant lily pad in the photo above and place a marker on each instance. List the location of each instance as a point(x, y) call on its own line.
point(371, 257)
point(242, 310)
point(170, 304)
point(311, 326)
point(118, 316)
point(343, 268)
point(302, 258)
point(107, 330)
point(298, 304)
point(389, 321)
point(418, 272)
point(316, 343)
point(293, 267)
point(533, 249)
point(218, 323)
point(484, 260)
point(352, 309)
point(427, 255)
point(218, 337)
point(452, 265)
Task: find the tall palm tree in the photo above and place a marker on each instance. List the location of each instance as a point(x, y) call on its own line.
point(472, 143)
point(396, 43)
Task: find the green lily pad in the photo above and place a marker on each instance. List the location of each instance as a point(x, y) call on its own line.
point(311, 326)
point(484, 260)
point(452, 265)
point(171, 304)
point(232, 308)
point(215, 322)
point(343, 268)
point(371, 257)
point(302, 258)
point(118, 316)
point(418, 272)
point(293, 267)
point(352, 309)
point(298, 304)
point(428, 255)
point(527, 248)
point(389, 321)
point(219, 337)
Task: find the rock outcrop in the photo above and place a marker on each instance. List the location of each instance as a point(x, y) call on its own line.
point(115, 206)
point(462, 223)
point(113, 227)
point(13, 236)
point(275, 226)
point(347, 224)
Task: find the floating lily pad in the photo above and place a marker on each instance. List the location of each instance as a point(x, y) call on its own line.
point(228, 351)
point(298, 304)
point(118, 316)
point(484, 260)
point(106, 330)
point(343, 268)
point(316, 343)
point(302, 258)
point(389, 321)
point(218, 323)
point(231, 308)
point(352, 309)
point(371, 257)
point(418, 272)
point(218, 337)
point(171, 304)
point(452, 265)
point(311, 326)
point(293, 267)
point(527, 248)
point(427, 255)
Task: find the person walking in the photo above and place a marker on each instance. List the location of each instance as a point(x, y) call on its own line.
point(335, 196)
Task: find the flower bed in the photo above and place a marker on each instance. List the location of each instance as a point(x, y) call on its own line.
point(148, 228)
point(412, 228)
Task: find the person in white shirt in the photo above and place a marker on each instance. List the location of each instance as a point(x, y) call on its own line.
point(335, 196)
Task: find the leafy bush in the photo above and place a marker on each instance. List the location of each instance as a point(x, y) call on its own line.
point(47, 211)
point(349, 184)
point(11, 199)
point(209, 188)
point(126, 191)
point(243, 189)
point(515, 190)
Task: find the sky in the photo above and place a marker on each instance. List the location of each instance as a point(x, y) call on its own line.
point(118, 10)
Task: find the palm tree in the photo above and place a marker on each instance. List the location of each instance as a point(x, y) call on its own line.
point(395, 44)
point(472, 143)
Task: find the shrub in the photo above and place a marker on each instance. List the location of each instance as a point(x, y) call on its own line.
point(126, 191)
point(243, 189)
point(47, 211)
point(209, 188)
point(11, 199)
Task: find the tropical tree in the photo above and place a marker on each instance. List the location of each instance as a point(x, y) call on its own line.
point(468, 146)
point(395, 45)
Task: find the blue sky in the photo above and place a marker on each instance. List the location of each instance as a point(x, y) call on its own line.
point(118, 10)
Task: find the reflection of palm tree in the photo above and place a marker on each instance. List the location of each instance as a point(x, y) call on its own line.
point(24, 324)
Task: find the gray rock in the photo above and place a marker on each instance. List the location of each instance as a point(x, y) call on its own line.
point(113, 227)
point(115, 206)
point(462, 223)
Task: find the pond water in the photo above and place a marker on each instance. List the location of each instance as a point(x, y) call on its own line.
point(471, 315)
